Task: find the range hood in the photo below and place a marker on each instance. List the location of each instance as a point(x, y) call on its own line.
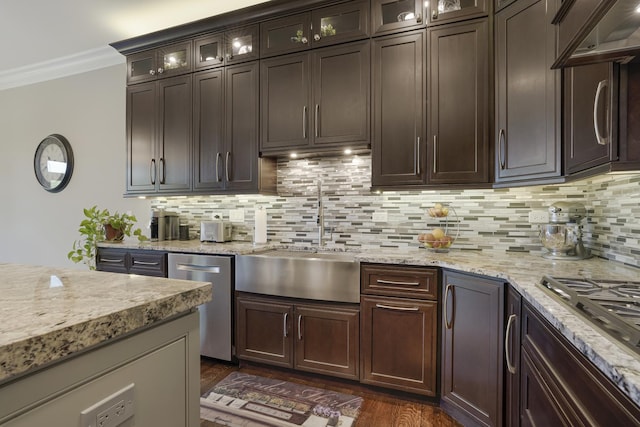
point(591, 31)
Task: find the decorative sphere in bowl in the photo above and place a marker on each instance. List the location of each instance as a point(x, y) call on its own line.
point(436, 239)
point(438, 211)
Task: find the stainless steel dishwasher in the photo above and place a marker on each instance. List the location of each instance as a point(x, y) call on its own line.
point(215, 316)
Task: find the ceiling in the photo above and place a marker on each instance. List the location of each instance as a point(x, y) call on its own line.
point(40, 34)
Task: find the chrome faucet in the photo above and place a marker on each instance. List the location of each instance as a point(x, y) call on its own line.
point(320, 216)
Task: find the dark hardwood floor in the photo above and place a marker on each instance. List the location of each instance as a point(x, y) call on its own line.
point(380, 408)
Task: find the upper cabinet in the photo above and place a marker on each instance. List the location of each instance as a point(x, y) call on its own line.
point(231, 47)
point(458, 144)
point(527, 110)
point(390, 16)
point(321, 27)
point(316, 100)
point(445, 11)
point(158, 63)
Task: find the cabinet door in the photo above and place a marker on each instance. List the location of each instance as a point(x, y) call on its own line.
point(285, 35)
point(285, 86)
point(446, 11)
point(527, 93)
point(263, 331)
point(472, 347)
point(327, 341)
point(399, 105)
point(141, 136)
point(209, 51)
point(241, 45)
point(458, 147)
point(141, 67)
point(174, 134)
point(590, 109)
point(241, 130)
point(208, 130)
point(396, 15)
point(341, 95)
point(340, 23)
point(398, 344)
point(513, 316)
point(174, 59)
point(148, 263)
point(113, 260)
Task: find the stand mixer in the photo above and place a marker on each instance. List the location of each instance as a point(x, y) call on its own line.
point(562, 237)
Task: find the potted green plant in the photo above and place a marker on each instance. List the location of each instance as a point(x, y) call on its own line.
point(98, 226)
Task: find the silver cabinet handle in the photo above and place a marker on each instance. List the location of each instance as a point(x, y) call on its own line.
point(501, 143)
point(434, 14)
point(285, 333)
point(152, 72)
point(391, 282)
point(112, 260)
point(163, 170)
point(226, 166)
point(447, 290)
point(316, 37)
point(389, 307)
point(507, 344)
point(316, 119)
point(418, 17)
point(229, 57)
point(146, 263)
point(435, 151)
point(152, 172)
point(160, 70)
point(299, 326)
point(602, 140)
point(304, 122)
point(218, 158)
point(304, 40)
point(418, 163)
point(194, 267)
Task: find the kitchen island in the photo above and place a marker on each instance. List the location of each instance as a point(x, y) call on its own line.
point(74, 342)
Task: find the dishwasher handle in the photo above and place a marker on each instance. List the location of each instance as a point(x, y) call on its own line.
point(195, 267)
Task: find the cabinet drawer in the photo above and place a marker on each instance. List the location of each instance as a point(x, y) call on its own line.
point(148, 263)
point(414, 282)
point(113, 260)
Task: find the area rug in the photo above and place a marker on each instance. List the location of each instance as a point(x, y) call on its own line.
point(244, 400)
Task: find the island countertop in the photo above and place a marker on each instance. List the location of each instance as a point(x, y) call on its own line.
point(47, 314)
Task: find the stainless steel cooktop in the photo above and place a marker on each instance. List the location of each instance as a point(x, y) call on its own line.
point(612, 305)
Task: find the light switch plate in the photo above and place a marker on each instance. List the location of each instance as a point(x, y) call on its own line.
point(538, 217)
point(236, 215)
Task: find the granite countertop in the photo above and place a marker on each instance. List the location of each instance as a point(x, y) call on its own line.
point(522, 270)
point(49, 313)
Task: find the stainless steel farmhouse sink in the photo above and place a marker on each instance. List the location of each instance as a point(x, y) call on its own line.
point(326, 276)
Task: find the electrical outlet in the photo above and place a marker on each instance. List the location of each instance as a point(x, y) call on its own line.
point(236, 215)
point(538, 217)
point(379, 217)
point(111, 411)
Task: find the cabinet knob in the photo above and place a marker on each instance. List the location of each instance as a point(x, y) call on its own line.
point(434, 14)
point(418, 17)
point(152, 72)
point(160, 70)
point(304, 40)
point(229, 56)
point(316, 37)
point(219, 58)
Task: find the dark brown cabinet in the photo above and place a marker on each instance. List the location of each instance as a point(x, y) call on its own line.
point(320, 27)
point(399, 110)
point(390, 16)
point(312, 337)
point(158, 63)
point(446, 11)
point(527, 110)
point(399, 324)
point(590, 111)
point(559, 386)
point(472, 348)
point(513, 318)
point(316, 101)
point(142, 262)
point(159, 136)
point(458, 144)
point(228, 48)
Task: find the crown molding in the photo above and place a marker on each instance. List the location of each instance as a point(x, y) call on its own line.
point(78, 63)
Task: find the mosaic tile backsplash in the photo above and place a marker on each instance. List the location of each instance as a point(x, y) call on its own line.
point(357, 218)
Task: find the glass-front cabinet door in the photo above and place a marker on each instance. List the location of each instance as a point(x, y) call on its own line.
point(289, 34)
point(209, 51)
point(174, 60)
point(393, 15)
point(445, 11)
point(241, 44)
point(340, 23)
point(141, 67)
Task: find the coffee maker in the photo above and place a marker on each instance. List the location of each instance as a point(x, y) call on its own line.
point(562, 236)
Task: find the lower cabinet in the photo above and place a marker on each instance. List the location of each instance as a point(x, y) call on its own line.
point(559, 386)
point(142, 262)
point(472, 349)
point(399, 328)
point(307, 336)
point(513, 319)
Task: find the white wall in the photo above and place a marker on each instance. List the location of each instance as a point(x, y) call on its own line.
point(37, 227)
